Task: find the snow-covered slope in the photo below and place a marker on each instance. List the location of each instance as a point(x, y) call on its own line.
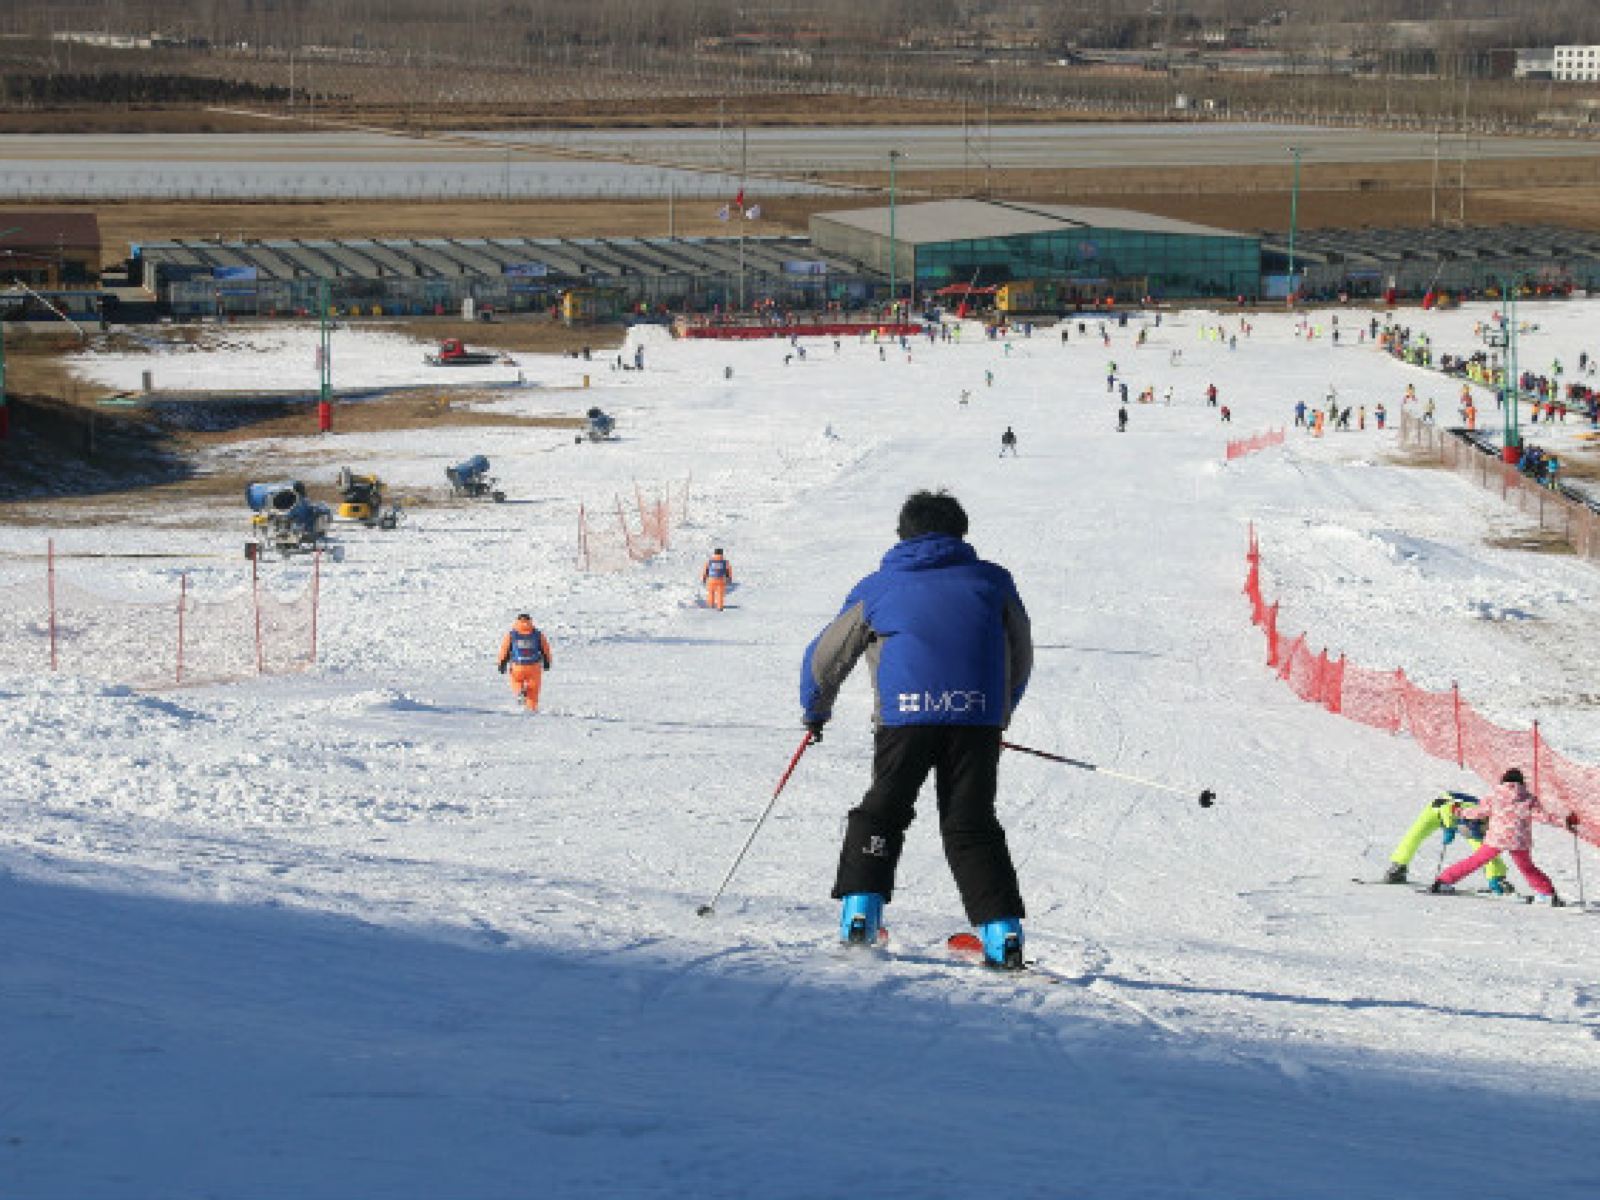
point(372, 931)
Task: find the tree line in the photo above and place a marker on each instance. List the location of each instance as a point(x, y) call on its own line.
point(494, 28)
point(121, 88)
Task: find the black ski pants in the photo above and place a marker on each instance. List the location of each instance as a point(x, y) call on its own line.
point(965, 761)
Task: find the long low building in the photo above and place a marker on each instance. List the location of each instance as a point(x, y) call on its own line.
point(1089, 253)
point(435, 275)
point(1057, 257)
point(1363, 263)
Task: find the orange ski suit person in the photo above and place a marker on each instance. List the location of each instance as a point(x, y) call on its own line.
point(717, 576)
point(526, 653)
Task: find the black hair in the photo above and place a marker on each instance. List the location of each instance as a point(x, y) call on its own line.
point(1514, 775)
point(931, 512)
point(718, 550)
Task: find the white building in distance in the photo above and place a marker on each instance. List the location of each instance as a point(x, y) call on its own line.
point(1577, 64)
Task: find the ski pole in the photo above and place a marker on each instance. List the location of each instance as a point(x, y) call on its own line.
point(1207, 796)
point(1577, 861)
point(710, 906)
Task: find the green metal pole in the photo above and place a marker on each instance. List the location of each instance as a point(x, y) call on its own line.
point(1294, 213)
point(326, 356)
point(1510, 386)
point(893, 155)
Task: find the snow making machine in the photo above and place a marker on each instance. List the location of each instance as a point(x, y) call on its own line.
point(285, 520)
point(361, 500)
point(472, 480)
point(600, 427)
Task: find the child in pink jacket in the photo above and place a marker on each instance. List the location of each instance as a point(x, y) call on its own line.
point(1509, 811)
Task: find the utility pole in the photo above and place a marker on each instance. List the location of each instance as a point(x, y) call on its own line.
point(1294, 213)
point(1510, 385)
point(744, 150)
point(1433, 195)
point(324, 363)
point(894, 156)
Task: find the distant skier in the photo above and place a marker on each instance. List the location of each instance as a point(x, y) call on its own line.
point(1008, 443)
point(1211, 394)
point(1443, 816)
point(1122, 419)
point(1509, 812)
point(950, 652)
point(526, 652)
point(1227, 415)
point(717, 575)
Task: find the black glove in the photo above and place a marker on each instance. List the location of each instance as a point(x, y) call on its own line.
point(814, 728)
point(503, 666)
point(1572, 821)
point(1441, 801)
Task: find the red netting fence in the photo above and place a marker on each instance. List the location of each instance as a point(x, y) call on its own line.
point(1443, 723)
point(62, 616)
point(611, 538)
point(1239, 447)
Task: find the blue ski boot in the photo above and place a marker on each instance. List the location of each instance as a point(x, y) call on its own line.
point(1002, 944)
point(860, 919)
point(1502, 887)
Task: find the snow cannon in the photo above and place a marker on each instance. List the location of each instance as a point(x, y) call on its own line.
point(361, 499)
point(472, 479)
point(600, 426)
point(274, 497)
point(285, 520)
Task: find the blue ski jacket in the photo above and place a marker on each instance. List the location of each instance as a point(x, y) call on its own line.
point(946, 637)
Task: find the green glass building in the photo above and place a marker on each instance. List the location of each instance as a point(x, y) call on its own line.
point(1078, 254)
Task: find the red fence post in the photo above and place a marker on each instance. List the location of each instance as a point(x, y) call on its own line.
point(627, 534)
point(1399, 698)
point(1461, 757)
point(1272, 635)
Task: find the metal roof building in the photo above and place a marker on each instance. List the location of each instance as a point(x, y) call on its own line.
point(1100, 251)
point(1459, 260)
point(282, 276)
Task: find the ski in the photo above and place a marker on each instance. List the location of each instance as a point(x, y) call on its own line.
point(965, 947)
point(1507, 897)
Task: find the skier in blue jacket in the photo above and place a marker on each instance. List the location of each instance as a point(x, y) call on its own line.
point(948, 644)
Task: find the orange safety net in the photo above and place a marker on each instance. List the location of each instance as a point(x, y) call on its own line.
point(1442, 723)
point(1239, 447)
point(612, 539)
point(75, 614)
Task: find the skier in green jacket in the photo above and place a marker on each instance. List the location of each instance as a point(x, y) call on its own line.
point(1442, 815)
